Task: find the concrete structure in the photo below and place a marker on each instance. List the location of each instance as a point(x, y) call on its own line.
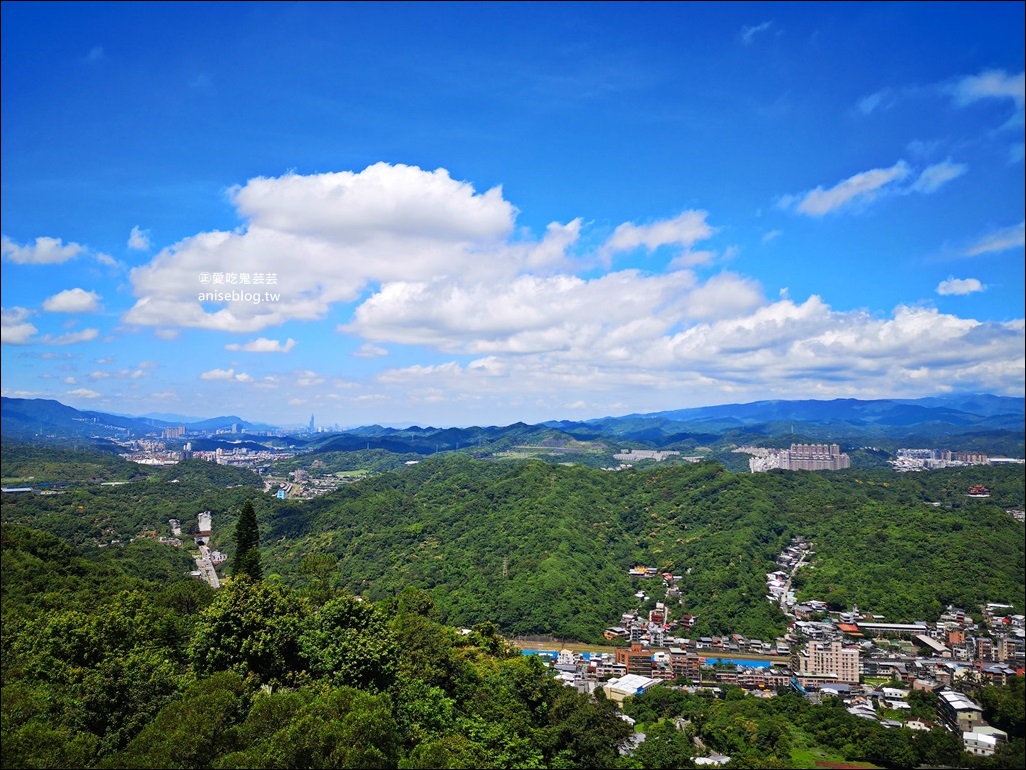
point(205, 523)
point(627, 686)
point(959, 713)
point(823, 662)
point(637, 660)
point(980, 744)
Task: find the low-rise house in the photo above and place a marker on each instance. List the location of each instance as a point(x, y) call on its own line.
point(979, 744)
point(958, 712)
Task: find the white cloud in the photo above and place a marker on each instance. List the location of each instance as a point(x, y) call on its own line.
point(83, 393)
point(263, 345)
point(367, 350)
point(226, 374)
point(325, 237)
point(547, 315)
point(778, 347)
point(999, 240)
point(860, 188)
point(95, 54)
point(139, 240)
point(748, 33)
point(72, 338)
point(686, 229)
point(45, 251)
point(959, 286)
point(771, 235)
point(14, 329)
point(991, 84)
point(308, 378)
point(882, 99)
point(73, 301)
point(866, 186)
point(934, 177)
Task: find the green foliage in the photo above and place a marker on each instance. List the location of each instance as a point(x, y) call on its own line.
point(252, 629)
point(191, 731)
point(34, 465)
point(209, 474)
point(544, 549)
point(664, 747)
point(111, 660)
point(348, 643)
point(1005, 707)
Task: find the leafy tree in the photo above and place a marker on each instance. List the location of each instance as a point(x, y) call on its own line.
point(189, 732)
point(664, 747)
point(251, 629)
point(1005, 706)
point(348, 643)
point(247, 545)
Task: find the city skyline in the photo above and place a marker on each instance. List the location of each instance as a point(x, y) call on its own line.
point(448, 214)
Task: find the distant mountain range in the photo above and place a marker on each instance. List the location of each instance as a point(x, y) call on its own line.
point(977, 420)
point(45, 418)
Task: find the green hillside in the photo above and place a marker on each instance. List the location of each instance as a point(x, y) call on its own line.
point(540, 548)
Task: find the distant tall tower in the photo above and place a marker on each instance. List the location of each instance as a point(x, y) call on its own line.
point(311, 424)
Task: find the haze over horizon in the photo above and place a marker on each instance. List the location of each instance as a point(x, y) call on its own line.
point(485, 214)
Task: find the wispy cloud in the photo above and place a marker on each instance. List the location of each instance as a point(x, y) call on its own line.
point(72, 338)
point(367, 350)
point(748, 33)
point(880, 100)
point(959, 286)
point(937, 175)
point(999, 240)
point(83, 393)
point(991, 84)
point(859, 188)
point(866, 186)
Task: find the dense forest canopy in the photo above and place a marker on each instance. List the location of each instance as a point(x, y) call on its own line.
point(541, 548)
point(345, 653)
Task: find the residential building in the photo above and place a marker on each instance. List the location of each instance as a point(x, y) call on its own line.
point(637, 660)
point(823, 662)
point(958, 712)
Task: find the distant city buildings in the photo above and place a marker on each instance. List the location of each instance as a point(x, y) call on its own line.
point(800, 457)
point(933, 459)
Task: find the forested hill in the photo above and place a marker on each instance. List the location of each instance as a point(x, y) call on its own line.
point(541, 548)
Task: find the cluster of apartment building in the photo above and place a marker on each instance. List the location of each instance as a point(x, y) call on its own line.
point(800, 457)
point(823, 653)
point(933, 459)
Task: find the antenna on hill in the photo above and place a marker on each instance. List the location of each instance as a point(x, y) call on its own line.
point(505, 567)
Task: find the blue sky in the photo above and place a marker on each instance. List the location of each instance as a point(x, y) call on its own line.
point(480, 213)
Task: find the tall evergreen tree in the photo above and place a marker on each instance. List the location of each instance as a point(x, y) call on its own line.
point(247, 542)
